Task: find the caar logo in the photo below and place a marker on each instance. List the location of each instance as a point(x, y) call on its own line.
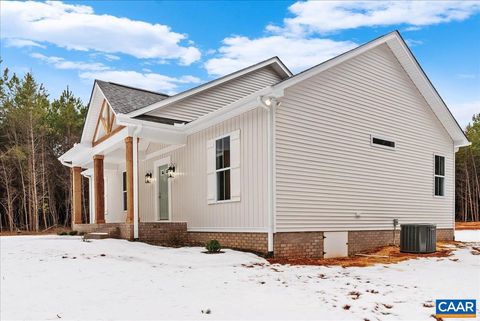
point(447, 308)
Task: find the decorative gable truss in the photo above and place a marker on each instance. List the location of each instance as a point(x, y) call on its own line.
point(106, 126)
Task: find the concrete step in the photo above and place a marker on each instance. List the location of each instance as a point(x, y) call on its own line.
point(97, 236)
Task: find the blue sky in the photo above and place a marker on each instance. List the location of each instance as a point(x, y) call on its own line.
point(172, 46)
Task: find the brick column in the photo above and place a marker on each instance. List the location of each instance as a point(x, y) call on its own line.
point(129, 174)
point(98, 178)
point(76, 195)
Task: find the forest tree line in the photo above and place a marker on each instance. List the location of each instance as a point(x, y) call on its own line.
point(35, 130)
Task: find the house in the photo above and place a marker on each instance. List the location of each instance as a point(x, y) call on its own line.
point(319, 164)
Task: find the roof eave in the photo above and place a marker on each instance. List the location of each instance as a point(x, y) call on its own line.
point(280, 66)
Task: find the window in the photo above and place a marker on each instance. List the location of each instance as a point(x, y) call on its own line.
point(382, 142)
point(439, 175)
point(124, 190)
point(222, 168)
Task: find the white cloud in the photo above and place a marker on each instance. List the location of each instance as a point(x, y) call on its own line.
point(413, 42)
point(296, 42)
point(19, 43)
point(329, 16)
point(77, 27)
point(111, 57)
point(463, 112)
point(297, 53)
point(61, 63)
point(148, 80)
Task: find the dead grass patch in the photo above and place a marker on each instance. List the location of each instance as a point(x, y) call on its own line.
point(48, 231)
point(382, 255)
point(467, 225)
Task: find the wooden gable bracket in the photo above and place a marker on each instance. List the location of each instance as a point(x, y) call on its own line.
point(107, 119)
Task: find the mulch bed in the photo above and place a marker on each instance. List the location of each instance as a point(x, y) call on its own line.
point(383, 255)
point(467, 225)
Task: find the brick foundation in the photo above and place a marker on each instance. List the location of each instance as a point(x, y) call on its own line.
point(115, 230)
point(255, 242)
point(298, 244)
point(360, 241)
point(286, 244)
point(163, 233)
point(447, 234)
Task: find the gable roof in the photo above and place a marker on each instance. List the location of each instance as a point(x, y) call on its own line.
point(274, 62)
point(124, 99)
point(411, 66)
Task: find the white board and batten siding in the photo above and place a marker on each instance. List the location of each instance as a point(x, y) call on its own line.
point(328, 173)
point(249, 212)
point(208, 101)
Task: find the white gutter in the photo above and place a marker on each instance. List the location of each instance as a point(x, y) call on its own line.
point(269, 104)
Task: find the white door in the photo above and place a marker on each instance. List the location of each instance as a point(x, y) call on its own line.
point(335, 244)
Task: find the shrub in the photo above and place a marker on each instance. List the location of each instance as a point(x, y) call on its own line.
point(72, 233)
point(213, 246)
point(62, 233)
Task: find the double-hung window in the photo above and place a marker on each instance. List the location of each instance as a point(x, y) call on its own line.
point(222, 168)
point(439, 175)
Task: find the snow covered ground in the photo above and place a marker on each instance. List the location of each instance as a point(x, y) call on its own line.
point(53, 277)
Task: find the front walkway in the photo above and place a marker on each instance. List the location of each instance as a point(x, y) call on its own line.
point(52, 277)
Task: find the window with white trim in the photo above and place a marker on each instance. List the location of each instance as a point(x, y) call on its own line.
point(124, 190)
point(439, 175)
point(222, 168)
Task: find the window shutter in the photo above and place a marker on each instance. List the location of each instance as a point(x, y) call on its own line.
point(211, 186)
point(235, 166)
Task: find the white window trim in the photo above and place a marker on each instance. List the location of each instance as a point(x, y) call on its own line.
point(156, 164)
point(384, 138)
point(435, 175)
point(216, 201)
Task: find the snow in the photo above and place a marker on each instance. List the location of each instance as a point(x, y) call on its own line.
point(61, 277)
point(467, 235)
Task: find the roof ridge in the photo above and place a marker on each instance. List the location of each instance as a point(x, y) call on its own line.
point(134, 88)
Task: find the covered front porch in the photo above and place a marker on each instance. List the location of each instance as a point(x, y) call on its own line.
point(129, 179)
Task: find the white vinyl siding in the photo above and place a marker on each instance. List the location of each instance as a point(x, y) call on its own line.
point(248, 208)
point(210, 100)
point(322, 184)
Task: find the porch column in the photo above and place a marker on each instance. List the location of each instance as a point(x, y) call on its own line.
point(129, 174)
point(76, 195)
point(99, 191)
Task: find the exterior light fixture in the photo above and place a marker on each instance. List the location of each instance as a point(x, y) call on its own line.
point(171, 170)
point(268, 101)
point(148, 178)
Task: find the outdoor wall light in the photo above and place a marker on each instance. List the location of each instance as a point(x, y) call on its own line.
point(171, 170)
point(148, 178)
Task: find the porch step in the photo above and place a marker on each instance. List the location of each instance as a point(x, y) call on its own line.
point(104, 233)
point(96, 236)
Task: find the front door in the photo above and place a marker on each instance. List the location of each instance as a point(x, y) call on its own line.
point(162, 181)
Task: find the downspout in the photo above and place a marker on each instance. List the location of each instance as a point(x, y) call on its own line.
point(270, 108)
point(135, 135)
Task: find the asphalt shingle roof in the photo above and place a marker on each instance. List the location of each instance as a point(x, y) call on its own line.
point(124, 99)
